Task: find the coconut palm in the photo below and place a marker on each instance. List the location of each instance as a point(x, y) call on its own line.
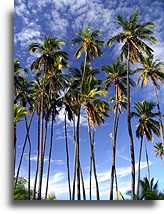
point(48, 65)
point(117, 77)
point(147, 125)
point(94, 107)
point(149, 190)
point(152, 72)
point(23, 97)
point(159, 149)
point(133, 36)
point(90, 44)
point(19, 113)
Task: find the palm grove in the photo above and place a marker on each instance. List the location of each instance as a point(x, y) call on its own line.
point(56, 86)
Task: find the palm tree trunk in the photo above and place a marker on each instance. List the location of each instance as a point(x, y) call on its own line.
point(139, 164)
point(90, 178)
point(147, 160)
point(41, 158)
point(91, 158)
point(130, 130)
point(115, 128)
point(67, 156)
point(78, 155)
point(49, 159)
point(94, 169)
point(23, 150)
point(82, 182)
point(45, 140)
point(160, 116)
point(29, 162)
point(75, 157)
point(84, 69)
point(116, 183)
point(37, 163)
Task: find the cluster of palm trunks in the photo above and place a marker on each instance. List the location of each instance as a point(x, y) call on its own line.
point(56, 86)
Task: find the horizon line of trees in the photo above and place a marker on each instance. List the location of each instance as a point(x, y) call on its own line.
point(55, 86)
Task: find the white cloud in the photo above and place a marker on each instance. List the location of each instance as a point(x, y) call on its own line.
point(28, 35)
point(61, 117)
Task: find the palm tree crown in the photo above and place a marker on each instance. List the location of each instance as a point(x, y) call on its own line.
point(133, 37)
point(89, 43)
point(147, 122)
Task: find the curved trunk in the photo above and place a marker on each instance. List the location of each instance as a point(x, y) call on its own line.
point(49, 158)
point(139, 164)
point(147, 160)
point(160, 117)
point(130, 130)
point(23, 150)
point(67, 156)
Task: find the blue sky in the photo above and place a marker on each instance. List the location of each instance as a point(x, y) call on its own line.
point(33, 20)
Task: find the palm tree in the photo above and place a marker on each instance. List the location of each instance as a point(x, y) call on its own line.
point(159, 149)
point(94, 107)
point(149, 190)
point(147, 124)
point(90, 45)
point(23, 97)
point(19, 113)
point(152, 72)
point(116, 76)
point(48, 65)
point(133, 38)
point(68, 114)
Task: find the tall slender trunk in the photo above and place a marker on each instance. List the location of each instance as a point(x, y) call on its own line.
point(147, 160)
point(78, 155)
point(37, 163)
point(67, 156)
point(116, 183)
point(42, 152)
point(84, 69)
point(139, 164)
point(29, 162)
point(23, 150)
point(94, 169)
point(90, 178)
point(92, 159)
point(160, 116)
point(41, 158)
point(75, 157)
point(115, 128)
point(82, 182)
point(49, 158)
point(45, 140)
point(130, 130)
